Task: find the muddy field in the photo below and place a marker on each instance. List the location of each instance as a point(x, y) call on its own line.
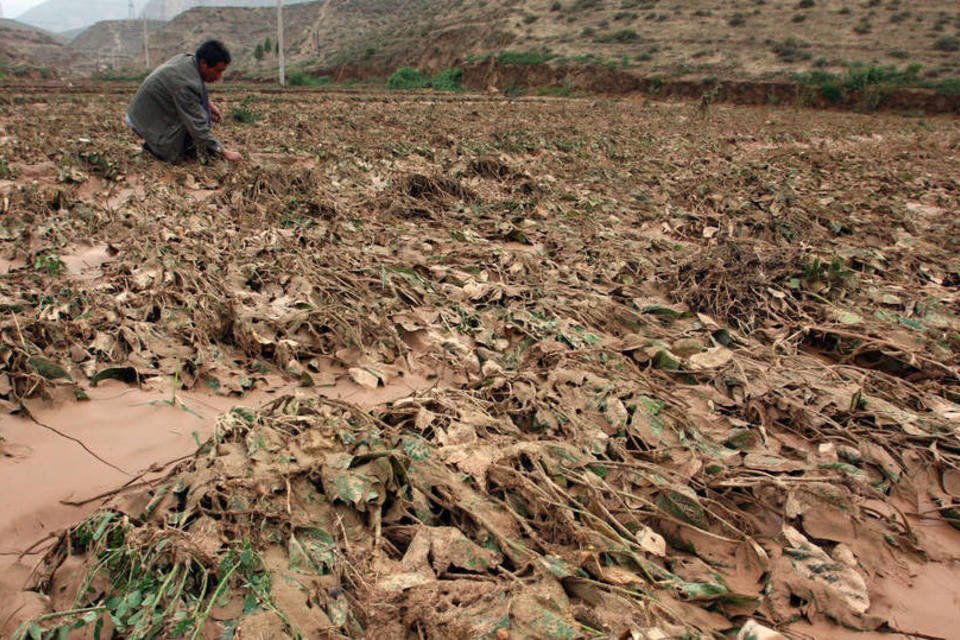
point(471, 367)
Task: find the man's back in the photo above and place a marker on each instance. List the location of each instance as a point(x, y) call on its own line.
point(169, 109)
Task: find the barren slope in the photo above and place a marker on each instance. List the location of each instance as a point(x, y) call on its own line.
point(648, 37)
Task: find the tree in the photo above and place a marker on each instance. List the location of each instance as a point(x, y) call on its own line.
point(267, 45)
point(258, 52)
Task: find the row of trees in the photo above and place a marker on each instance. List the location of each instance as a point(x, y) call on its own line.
point(265, 47)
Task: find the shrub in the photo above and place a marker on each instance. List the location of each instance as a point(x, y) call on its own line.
point(949, 87)
point(947, 43)
point(407, 78)
point(258, 52)
point(703, 13)
point(806, 4)
point(863, 27)
point(524, 57)
point(583, 5)
point(798, 17)
point(530, 18)
point(791, 50)
point(556, 6)
point(245, 113)
point(737, 20)
point(448, 80)
point(845, 11)
point(899, 54)
point(624, 36)
point(301, 79)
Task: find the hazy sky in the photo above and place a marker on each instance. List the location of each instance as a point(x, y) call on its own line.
point(13, 8)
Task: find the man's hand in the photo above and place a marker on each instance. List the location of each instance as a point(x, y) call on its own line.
point(215, 114)
point(232, 156)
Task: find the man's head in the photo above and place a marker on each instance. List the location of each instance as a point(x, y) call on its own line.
point(212, 59)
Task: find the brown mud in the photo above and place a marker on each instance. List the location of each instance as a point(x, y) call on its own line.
point(481, 368)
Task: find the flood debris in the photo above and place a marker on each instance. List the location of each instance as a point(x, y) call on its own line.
point(663, 380)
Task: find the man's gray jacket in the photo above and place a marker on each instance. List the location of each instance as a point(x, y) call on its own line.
point(170, 111)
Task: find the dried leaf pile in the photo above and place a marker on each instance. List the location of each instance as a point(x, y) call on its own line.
point(694, 375)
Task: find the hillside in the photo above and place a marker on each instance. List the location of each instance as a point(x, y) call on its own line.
point(670, 38)
point(114, 43)
point(26, 46)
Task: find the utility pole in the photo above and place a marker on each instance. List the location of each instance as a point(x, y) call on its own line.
point(130, 13)
point(146, 41)
point(283, 75)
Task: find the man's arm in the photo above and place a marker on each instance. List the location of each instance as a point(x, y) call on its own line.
point(189, 106)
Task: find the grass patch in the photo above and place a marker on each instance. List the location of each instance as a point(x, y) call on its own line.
point(408, 79)
point(525, 57)
point(623, 36)
point(120, 75)
point(791, 50)
point(302, 79)
point(947, 43)
point(244, 112)
point(872, 81)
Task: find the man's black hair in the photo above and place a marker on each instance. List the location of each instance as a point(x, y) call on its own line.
point(213, 52)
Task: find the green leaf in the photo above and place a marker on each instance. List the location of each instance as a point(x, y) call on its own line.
point(683, 507)
point(48, 369)
point(417, 448)
point(125, 374)
point(35, 631)
point(702, 590)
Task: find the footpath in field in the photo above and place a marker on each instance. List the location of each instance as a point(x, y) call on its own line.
point(488, 368)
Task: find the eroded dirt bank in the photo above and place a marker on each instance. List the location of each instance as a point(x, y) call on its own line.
point(539, 368)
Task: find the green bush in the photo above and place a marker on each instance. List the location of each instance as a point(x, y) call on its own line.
point(737, 20)
point(258, 52)
point(868, 79)
point(302, 79)
point(524, 57)
point(948, 87)
point(408, 78)
point(947, 43)
point(448, 80)
point(791, 50)
point(245, 113)
point(623, 36)
point(805, 4)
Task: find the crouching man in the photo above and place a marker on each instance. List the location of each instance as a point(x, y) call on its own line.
point(171, 110)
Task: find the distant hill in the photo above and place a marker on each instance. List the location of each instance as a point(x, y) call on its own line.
point(751, 39)
point(69, 15)
point(64, 15)
point(168, 9)
point(742, 39)
point(114, 43)
point(26, 45)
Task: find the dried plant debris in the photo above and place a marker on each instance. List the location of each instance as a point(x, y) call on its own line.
point(687, 379)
